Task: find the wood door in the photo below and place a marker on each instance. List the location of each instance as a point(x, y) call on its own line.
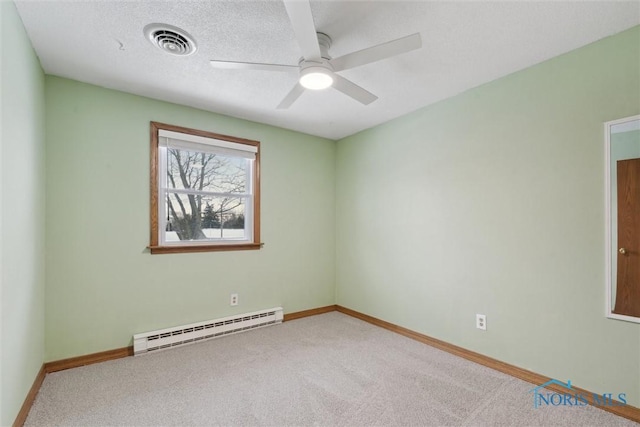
point(628, 280)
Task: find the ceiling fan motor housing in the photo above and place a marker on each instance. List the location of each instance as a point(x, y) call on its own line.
point(317, 74)
point(324, 41)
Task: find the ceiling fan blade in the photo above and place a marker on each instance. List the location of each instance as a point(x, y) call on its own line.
point(377, 53)
point(353, 90)
point(230, 65)
point(291, 97)
point(305, 30)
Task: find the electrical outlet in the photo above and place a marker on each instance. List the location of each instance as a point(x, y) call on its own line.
point(481, 322)
point(234, 299)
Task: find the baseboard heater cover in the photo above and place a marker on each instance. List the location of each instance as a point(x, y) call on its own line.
point(162, 339)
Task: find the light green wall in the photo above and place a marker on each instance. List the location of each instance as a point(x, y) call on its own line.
point(493, 202)
point(22, 201)
point(103, 285)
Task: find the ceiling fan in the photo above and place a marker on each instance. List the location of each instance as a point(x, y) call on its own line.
point(316, 67)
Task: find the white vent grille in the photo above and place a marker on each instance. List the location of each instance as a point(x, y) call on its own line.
point(188, 334)
point(170, 39)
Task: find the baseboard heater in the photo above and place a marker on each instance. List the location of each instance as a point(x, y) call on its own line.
point(188, 334)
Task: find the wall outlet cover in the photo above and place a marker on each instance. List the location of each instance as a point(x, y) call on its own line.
point(481, 322)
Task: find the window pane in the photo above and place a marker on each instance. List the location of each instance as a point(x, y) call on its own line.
point(206, 171)
point(214, 218)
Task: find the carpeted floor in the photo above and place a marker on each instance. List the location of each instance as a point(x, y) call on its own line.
point(327, 370)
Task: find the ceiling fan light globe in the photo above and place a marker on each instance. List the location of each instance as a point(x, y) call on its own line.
point(315, 79)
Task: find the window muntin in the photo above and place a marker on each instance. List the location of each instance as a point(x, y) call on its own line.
point(206, 192)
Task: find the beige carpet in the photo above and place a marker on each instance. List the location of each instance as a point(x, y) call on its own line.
point(324, 370)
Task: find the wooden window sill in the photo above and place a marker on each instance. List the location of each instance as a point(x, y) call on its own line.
point(204, 248)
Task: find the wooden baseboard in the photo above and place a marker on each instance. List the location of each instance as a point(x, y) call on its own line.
point(626, 411)
point(88, 359)
point(31, 397)
point(311, 312)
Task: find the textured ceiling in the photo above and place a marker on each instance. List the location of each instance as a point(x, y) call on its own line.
point(465, 44)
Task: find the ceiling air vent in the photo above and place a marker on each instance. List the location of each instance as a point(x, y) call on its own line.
point(170, 39)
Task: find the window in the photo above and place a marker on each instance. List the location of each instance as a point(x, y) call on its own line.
point(205, 191)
